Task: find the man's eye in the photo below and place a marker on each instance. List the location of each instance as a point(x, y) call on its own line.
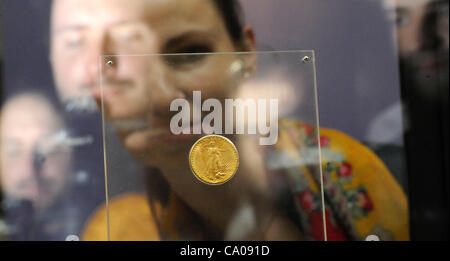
point(188, 55)
point(402, 18)
point(73, 42)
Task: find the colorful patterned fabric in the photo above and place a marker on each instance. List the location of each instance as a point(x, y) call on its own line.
point(361, 197)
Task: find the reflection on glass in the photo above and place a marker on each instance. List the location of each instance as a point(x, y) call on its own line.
point(276, 193)
point(36, 171)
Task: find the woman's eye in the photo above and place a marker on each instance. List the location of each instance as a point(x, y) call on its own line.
point(188, 55)
point(194, 49)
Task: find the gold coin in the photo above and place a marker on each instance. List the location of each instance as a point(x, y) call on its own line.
point(214, 159)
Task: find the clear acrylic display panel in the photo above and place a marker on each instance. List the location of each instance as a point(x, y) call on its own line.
point(269, 195)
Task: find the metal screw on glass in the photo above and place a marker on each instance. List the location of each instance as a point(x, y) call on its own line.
point(110, 63)
point(306, 59)
point(372, 238)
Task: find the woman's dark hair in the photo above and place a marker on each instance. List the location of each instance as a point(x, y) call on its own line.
point(231, 12)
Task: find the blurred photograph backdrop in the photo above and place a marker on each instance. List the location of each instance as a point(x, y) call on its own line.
point(354, 42)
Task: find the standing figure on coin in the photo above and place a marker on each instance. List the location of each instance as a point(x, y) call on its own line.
point(214, 165)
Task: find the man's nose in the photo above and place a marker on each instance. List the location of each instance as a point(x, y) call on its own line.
point(26, 166)
point(91, 65)
point(95, 61)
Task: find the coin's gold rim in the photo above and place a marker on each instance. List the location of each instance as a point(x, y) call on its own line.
point(190, 164)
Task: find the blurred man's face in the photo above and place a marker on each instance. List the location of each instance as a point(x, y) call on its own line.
point(84, 30)
point(410, 15)
point(27, 124)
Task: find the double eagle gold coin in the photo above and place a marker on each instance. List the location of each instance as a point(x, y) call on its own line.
point(214, 159)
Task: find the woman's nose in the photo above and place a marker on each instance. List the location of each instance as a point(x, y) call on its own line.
point(163, 88)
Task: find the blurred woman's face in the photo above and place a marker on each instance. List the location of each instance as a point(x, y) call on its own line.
point(141, 88)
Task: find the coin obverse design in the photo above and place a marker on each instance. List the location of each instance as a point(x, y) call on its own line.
point(214, 159)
